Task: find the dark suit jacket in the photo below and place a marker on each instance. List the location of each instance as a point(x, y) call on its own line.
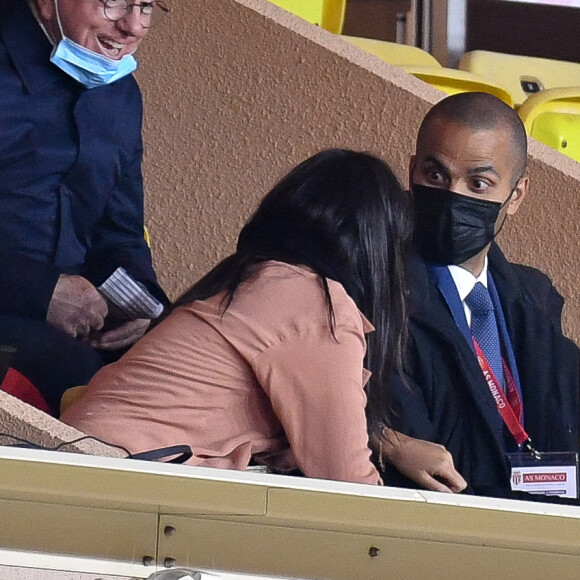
point(449, 402)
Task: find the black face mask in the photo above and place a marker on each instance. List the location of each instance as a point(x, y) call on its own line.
point(450, 228)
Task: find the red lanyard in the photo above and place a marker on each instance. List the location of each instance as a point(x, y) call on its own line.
point(510, 407)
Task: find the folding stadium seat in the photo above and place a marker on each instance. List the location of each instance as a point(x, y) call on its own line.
point(333, 15)
point(393, 53)
point(553, 117)
point(425, 67)
point(71, 396)
point(328, 14)
point(521, 75)
point(147, 236)
point(453, 81)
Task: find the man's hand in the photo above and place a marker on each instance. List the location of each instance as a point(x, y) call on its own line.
point(76, 307)
point(121, 336)
point(427, 464)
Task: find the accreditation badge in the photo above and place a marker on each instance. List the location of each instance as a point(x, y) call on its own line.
point(553, 473)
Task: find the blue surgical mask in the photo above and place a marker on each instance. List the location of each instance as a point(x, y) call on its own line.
point(86, 66)
point(90, 68)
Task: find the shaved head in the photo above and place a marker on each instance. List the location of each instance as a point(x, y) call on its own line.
point(481, 112)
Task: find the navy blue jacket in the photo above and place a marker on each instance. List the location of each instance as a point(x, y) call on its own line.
point(71, 191)
point(449, 402)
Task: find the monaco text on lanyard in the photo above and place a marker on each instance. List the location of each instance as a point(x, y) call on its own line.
point(510, 406)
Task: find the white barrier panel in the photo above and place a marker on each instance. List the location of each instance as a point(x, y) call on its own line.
point(127, 518)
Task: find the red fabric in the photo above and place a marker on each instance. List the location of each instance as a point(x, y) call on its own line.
point(20, 387)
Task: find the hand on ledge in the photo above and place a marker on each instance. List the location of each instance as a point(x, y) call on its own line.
point(427, 464)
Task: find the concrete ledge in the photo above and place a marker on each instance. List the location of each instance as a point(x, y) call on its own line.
point(21, 420)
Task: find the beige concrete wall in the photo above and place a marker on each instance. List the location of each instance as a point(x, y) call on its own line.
point(238, 91)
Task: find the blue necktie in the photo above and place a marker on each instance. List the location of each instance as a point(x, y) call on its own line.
point(484, 328)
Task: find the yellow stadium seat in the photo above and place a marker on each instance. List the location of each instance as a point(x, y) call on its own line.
point(424, 66)
point(521, 75)
point(453, 81)
point(333, 15)
point(328, 14)
point(553, 117)
point(393, 53)
point(147, 236)
point(71, 396)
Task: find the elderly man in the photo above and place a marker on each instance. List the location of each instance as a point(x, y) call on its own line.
point(485, 334)
point(71, 193)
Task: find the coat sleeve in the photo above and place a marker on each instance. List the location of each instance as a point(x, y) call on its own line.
point(26, 285)
point(315, 385)
point(409, 415)
point(409, 411)
point(119, 237)
point(410, 397)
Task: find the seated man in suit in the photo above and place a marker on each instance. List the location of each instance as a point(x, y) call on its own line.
point(485, 334)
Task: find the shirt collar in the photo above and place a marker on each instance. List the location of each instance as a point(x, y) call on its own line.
point(465, 280)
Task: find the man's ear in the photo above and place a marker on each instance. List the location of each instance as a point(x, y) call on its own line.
point(46, 9)
point(520, 192)
point(411, 170)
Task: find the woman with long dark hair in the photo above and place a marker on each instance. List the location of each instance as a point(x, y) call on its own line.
point(264, 358)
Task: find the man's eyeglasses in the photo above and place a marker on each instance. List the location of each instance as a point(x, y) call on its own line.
point(151, 12)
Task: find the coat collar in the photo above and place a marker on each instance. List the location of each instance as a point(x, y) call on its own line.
point(507, 283)
point(28, 47)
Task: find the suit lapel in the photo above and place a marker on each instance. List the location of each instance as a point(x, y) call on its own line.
point(448, 290)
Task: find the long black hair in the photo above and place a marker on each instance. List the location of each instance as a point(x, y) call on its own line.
point(344, 215)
